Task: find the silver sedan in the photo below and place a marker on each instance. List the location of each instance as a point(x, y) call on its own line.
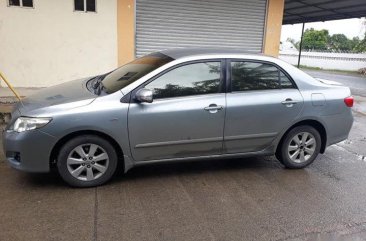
point(177, 105)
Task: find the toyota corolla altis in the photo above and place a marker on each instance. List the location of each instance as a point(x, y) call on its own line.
point(177, 105)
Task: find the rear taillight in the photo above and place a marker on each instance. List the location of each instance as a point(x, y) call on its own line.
point(349, 101)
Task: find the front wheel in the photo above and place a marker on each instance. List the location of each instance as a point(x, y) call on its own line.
point(300, 147)
point(87, 161)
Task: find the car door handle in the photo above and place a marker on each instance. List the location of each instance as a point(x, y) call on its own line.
point(289, 102)
point(213, 108)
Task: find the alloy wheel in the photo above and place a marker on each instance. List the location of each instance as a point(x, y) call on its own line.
point(301, 147)
point(87, 162)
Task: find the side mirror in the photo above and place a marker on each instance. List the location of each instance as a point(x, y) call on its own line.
point(144, 95)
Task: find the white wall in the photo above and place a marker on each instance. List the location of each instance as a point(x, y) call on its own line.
point(51, 43)
point(339, 61)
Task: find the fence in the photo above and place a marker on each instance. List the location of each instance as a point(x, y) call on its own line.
point(326, 60)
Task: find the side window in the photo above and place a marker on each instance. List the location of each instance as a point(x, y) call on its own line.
point(253, 76)
point(257, 76)
point(21, 3)
point(191, 79)
point(90, 6)
point(85, 5)
point(28, 3)
point(286, 82)
point(79, 5)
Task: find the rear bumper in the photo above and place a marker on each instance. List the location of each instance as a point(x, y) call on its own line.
point(338, 126)
point(28, 151)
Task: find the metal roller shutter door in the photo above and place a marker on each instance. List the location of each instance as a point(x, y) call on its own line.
point(164, 24)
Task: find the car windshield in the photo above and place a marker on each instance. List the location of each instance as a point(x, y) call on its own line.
point(133, 71)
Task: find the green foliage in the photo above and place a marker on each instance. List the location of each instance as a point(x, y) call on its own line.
point(354, 42)
point(315, 39)
point(340, 42)
point(360, 45)
point(321, 40)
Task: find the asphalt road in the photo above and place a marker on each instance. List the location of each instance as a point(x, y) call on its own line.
point(242, 199)
point(356, 82)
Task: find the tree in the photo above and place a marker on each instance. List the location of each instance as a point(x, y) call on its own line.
point(361, 45)
point(355, 41)
point(315, 39)
point(321, 40)
point(340, 42)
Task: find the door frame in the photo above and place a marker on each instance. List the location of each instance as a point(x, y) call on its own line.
point(129, 98)
point(244, 92)
point(223, 78)
point(229, 79)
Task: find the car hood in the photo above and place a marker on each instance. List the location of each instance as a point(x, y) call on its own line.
point(71, 94)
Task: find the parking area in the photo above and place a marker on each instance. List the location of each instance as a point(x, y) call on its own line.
point(241, 199)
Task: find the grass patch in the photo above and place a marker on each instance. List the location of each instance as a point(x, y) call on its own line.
point(331, 70)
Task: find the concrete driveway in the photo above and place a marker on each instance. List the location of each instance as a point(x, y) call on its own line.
point(242, 199)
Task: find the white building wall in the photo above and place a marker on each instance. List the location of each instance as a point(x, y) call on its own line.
point(52, 43)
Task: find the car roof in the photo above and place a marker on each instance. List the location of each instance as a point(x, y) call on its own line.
point(178, 53)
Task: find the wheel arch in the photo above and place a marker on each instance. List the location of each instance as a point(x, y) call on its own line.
point(309, 122)
point(56, 148)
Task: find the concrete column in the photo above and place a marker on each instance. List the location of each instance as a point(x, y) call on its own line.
point(272, 31)
point(126, 31)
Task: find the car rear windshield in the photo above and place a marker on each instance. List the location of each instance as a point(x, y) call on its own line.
point(129, 73)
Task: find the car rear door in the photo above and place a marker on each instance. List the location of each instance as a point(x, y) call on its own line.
point(186, 117)
point(262, 100)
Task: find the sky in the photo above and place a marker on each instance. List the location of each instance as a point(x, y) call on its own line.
point(349, 27)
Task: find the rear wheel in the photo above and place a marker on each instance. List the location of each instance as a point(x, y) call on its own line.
point(300, 147)
point(87, 161)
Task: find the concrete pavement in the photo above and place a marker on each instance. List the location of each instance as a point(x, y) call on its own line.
point(241, 199)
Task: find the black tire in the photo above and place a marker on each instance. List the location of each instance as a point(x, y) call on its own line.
point(103, 146)
point(283, 153)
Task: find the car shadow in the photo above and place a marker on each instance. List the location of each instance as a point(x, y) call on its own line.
point(51, 179)
point(198, 167)
point(164, 170)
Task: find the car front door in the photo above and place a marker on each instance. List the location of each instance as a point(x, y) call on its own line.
point(262, 102)
point(186, 117)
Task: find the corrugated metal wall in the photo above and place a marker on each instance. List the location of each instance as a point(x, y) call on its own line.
point(163, 24)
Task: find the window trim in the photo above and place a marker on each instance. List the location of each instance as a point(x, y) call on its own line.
point(20, 5)
point(222, 79)
point(85, 11)
point(229, 74)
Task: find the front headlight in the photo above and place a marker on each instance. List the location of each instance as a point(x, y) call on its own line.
point(29, 123)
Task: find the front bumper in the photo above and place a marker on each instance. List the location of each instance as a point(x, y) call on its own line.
point(28, 151)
